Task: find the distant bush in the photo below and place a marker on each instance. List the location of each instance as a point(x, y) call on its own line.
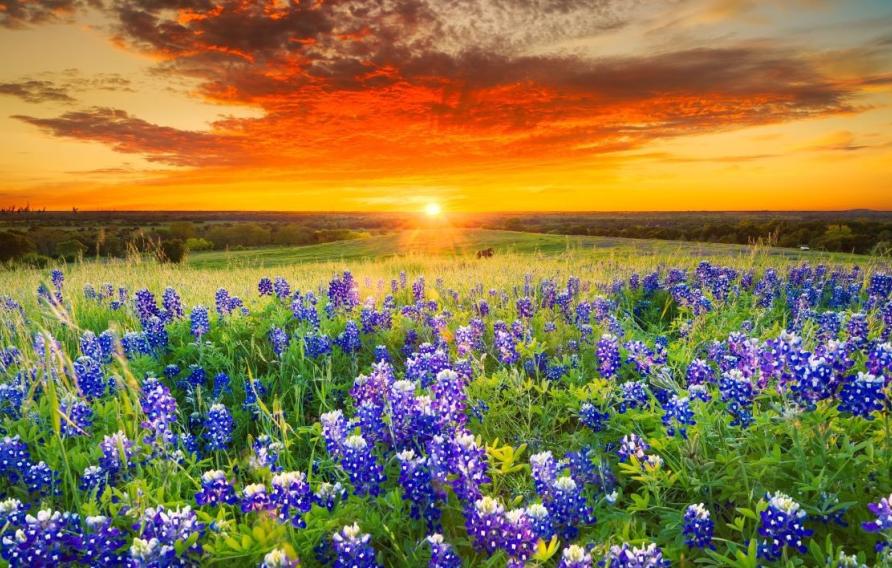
point(13, 245)
point(173, 250)
point(196, 244)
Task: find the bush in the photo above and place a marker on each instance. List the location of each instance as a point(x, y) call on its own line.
point(173, 250)
point(197, 244)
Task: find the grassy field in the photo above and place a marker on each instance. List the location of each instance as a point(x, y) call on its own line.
point(463, 242)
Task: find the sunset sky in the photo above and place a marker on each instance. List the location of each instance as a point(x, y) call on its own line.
point(474, 105)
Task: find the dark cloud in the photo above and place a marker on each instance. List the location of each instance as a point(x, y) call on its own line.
point(20, 13)
point(128, 134)
point(37, 91)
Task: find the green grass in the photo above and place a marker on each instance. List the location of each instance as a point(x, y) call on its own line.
point(462, 242)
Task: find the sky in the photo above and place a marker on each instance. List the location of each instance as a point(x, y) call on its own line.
point(474, 105)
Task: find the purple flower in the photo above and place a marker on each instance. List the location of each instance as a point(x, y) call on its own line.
point(677, 416)
point(625, 556)
point(218, 426)
point(592, 417)
point(782, 527)
point(575, 556)
point(442, 553)
point(353, 549)
point(862, 396)
point(117, 454)
point(215, 489)
point(361, 465)
point(486, 524)
point(291, 496)
point(698, 527)
point(883, 512)
point(254, 498)
point(738, 394)
point(417, 483)
point(90, 378)
point(200, 324)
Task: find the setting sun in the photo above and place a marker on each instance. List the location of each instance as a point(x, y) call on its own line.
point(433, 210)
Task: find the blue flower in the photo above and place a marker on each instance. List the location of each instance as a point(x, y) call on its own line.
point(160, 409)
point(265, 287)
point(698, 527)
point(738, 394)
point(862, 396)
point(782, 526)
point(592, 417)
point(90, 378)
point(254, 498)
point(218, 428)
point(417, 483)
point(678, 416)
point(442, 553)
point(625, 556)
point(279, 340)
point(117, 453)
point(361, 465)
point(291, 496)
point(634, 396)
point(200, 325)
point(882, 509)
point(160, 530)
point(215, 489)
point(486, 524)
point(575, 556)
point(77, 418)
point(353, 549)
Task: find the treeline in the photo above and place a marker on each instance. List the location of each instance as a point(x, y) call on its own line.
point(37, 244)
point(836, 235)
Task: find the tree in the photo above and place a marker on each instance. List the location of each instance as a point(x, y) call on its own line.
point(13, 245)
point(173, 250)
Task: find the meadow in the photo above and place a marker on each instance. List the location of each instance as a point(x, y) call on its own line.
point(394, 401)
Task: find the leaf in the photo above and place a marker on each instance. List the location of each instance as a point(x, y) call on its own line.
point(545, 551)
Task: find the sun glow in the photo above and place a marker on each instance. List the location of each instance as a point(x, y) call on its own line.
point(433, 209)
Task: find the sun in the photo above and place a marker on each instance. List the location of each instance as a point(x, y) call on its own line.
point(433, 209)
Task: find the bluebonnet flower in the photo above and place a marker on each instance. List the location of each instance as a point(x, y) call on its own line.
point(77, 418)
point(42, 480)
point(519, 539)
point(463, 458)
point(442, 553)
point(334, 431)
point(543, 468)
point(699, 372)
point(254, 498)
point(90, 346)
point(317, 345)
point(281, 288)
point(525, 308)
point(102, 543)
point(49, 538)
point(348, 340)
point(417, 483)
point(279, 558)
point(738, 394)
point(486, 524)
point(93, 479)
point(135, 343)
point(215, 489)
point(160, 409)
point(353, 548)
point(12, 511)
point(218, 428)
point(782, 526)
point(592, 417)
point(222, 385)
point(160, 530)
point(608, 355)
point(625, 556)
point(265, 287)
point(633, 445)
point(327, 494)
point(221, 301)
point(862, 396)
point(540, 521)
point(506, 346)
point(882, 510)
point(107, 344)
point(291, 496)
point(568, 507)
point(155, 333)
point(279, 340)
point(173, 305)
point(254, 390)
point(381, 354)
point(879, 359)
point(634, 396)
point(117, 454)
point(450, 399)
point(199, 322)
point(266, 453)
point(145, 304)
point(361, 465)
point(677, 416)
point(698, 527)
point(575, 556)
point(90, 378)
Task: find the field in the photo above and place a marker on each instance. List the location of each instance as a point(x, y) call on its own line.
point(572, 401)
point(466, 242)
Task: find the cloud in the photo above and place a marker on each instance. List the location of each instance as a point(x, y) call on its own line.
point(21, 13)
point(33, 91)
point(402, 85)
point(128, 134)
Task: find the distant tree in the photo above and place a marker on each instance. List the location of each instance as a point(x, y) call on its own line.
point(195, 244)
point(13, 245)
point(71, 249)
point(173, 250)
point(183, 230)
